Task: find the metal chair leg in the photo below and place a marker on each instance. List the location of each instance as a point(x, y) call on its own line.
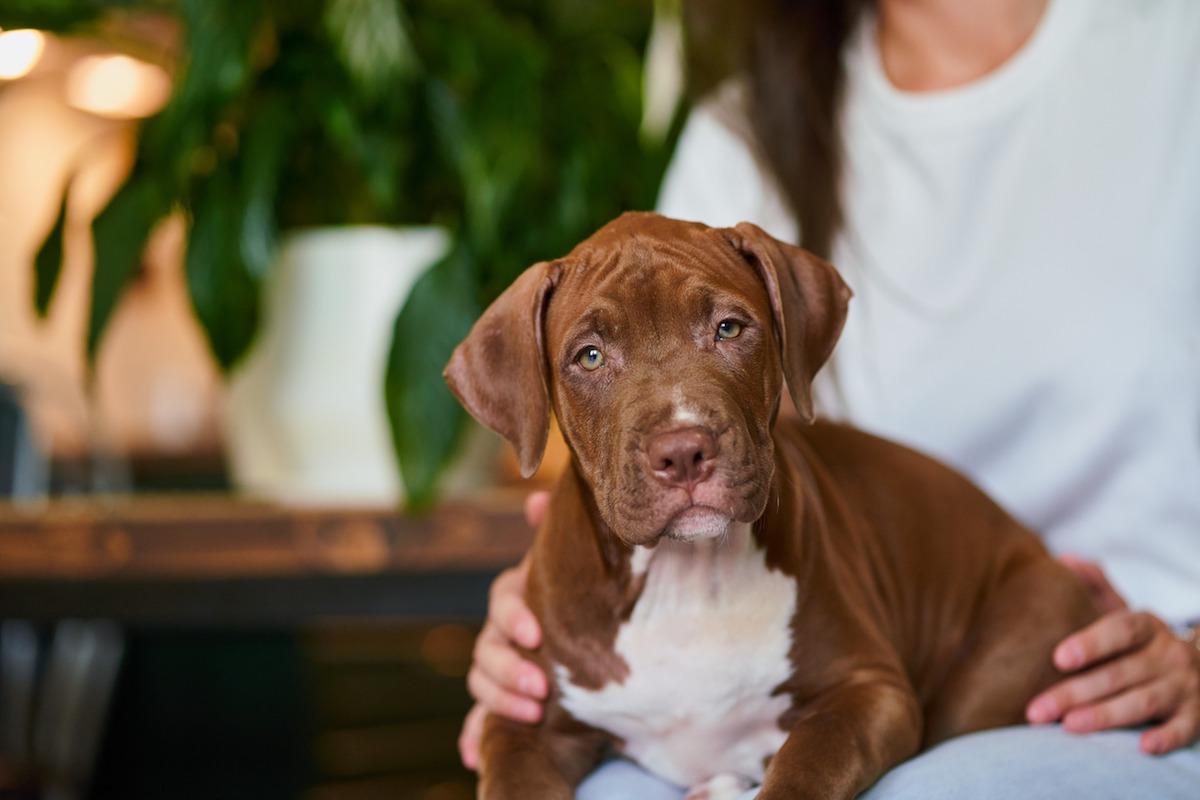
point(84, 660)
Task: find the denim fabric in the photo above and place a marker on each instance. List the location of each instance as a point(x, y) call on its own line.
point(1019, 763)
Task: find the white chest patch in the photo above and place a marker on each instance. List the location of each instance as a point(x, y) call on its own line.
point(706, 644)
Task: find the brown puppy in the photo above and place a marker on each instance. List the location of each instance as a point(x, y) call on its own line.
point(725, 598)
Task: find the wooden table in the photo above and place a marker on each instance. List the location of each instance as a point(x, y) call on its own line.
point(221, 561)
point(80, 580)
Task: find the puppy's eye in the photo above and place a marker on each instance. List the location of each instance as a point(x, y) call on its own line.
point(729, 329)
point(590, 358)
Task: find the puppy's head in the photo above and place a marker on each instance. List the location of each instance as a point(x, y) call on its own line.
point(662, 347)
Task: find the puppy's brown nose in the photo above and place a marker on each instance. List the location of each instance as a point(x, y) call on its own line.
point(683, 457)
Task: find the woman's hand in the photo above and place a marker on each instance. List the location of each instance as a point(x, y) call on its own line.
point(1129, 669)
point(500, 680)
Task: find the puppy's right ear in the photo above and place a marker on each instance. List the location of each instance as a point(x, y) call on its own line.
point(498, 372)
point(809, 300)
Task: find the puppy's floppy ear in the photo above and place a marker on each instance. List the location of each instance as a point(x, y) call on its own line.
point(809, 300)
point(498, 372)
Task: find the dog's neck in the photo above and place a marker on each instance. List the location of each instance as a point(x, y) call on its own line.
point(599, 581)
point(707, 562)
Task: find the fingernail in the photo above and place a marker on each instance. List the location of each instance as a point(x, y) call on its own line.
point(527, 633)
point(1041, 711)
point(1068, 656)
point(530, 712)
point(1151, 745)
point(532, 684)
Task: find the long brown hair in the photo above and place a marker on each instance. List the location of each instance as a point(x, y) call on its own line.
point(790, 55)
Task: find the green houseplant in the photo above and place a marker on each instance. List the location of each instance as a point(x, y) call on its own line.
point(514, 125)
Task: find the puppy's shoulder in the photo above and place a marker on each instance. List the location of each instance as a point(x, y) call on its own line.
point(839, 447)
point(861, 463)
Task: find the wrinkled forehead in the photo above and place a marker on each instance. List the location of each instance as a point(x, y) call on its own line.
point(630, 282)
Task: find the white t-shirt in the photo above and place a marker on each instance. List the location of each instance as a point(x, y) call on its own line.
point(1025, 255)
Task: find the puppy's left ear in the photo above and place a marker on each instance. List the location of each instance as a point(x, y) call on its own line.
point(809, 300)
point(498, 372)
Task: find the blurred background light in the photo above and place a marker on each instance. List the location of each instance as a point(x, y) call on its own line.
point(117, 86)
point(19, 52)
point(446, 649)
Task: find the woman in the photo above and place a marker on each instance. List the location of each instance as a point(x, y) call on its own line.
point(1012, 187)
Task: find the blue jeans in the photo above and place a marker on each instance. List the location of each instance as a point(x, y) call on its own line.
point(1020, 763)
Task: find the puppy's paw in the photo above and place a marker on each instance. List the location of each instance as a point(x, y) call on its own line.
point(726, 786)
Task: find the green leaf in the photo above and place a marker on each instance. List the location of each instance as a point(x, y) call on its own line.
point(48, 263)
point(216, 70)
point(426, 419)
point(119, 233)
point(267, 138)
point(61, 16)
point(223, 290)
point(371, 42)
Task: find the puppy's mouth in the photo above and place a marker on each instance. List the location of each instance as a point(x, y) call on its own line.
point(642, 508)
point(697, 523)
point(705, 511)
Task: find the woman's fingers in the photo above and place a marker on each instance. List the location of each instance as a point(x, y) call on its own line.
point(1112, 634)
point(507, 609)
point(1095, 684)
point(500, 680)
point(1153, 700)
point(500, 701)
point(1147, 675)
point(497, 659)
point(1093, 577)
point(468, 739)
point(535, 508)
point(1178, 731)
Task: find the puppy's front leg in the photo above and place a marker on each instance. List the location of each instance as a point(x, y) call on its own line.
point(521, 762)
point(845, 740)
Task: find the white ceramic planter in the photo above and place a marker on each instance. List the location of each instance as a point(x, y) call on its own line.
point(306, 421)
